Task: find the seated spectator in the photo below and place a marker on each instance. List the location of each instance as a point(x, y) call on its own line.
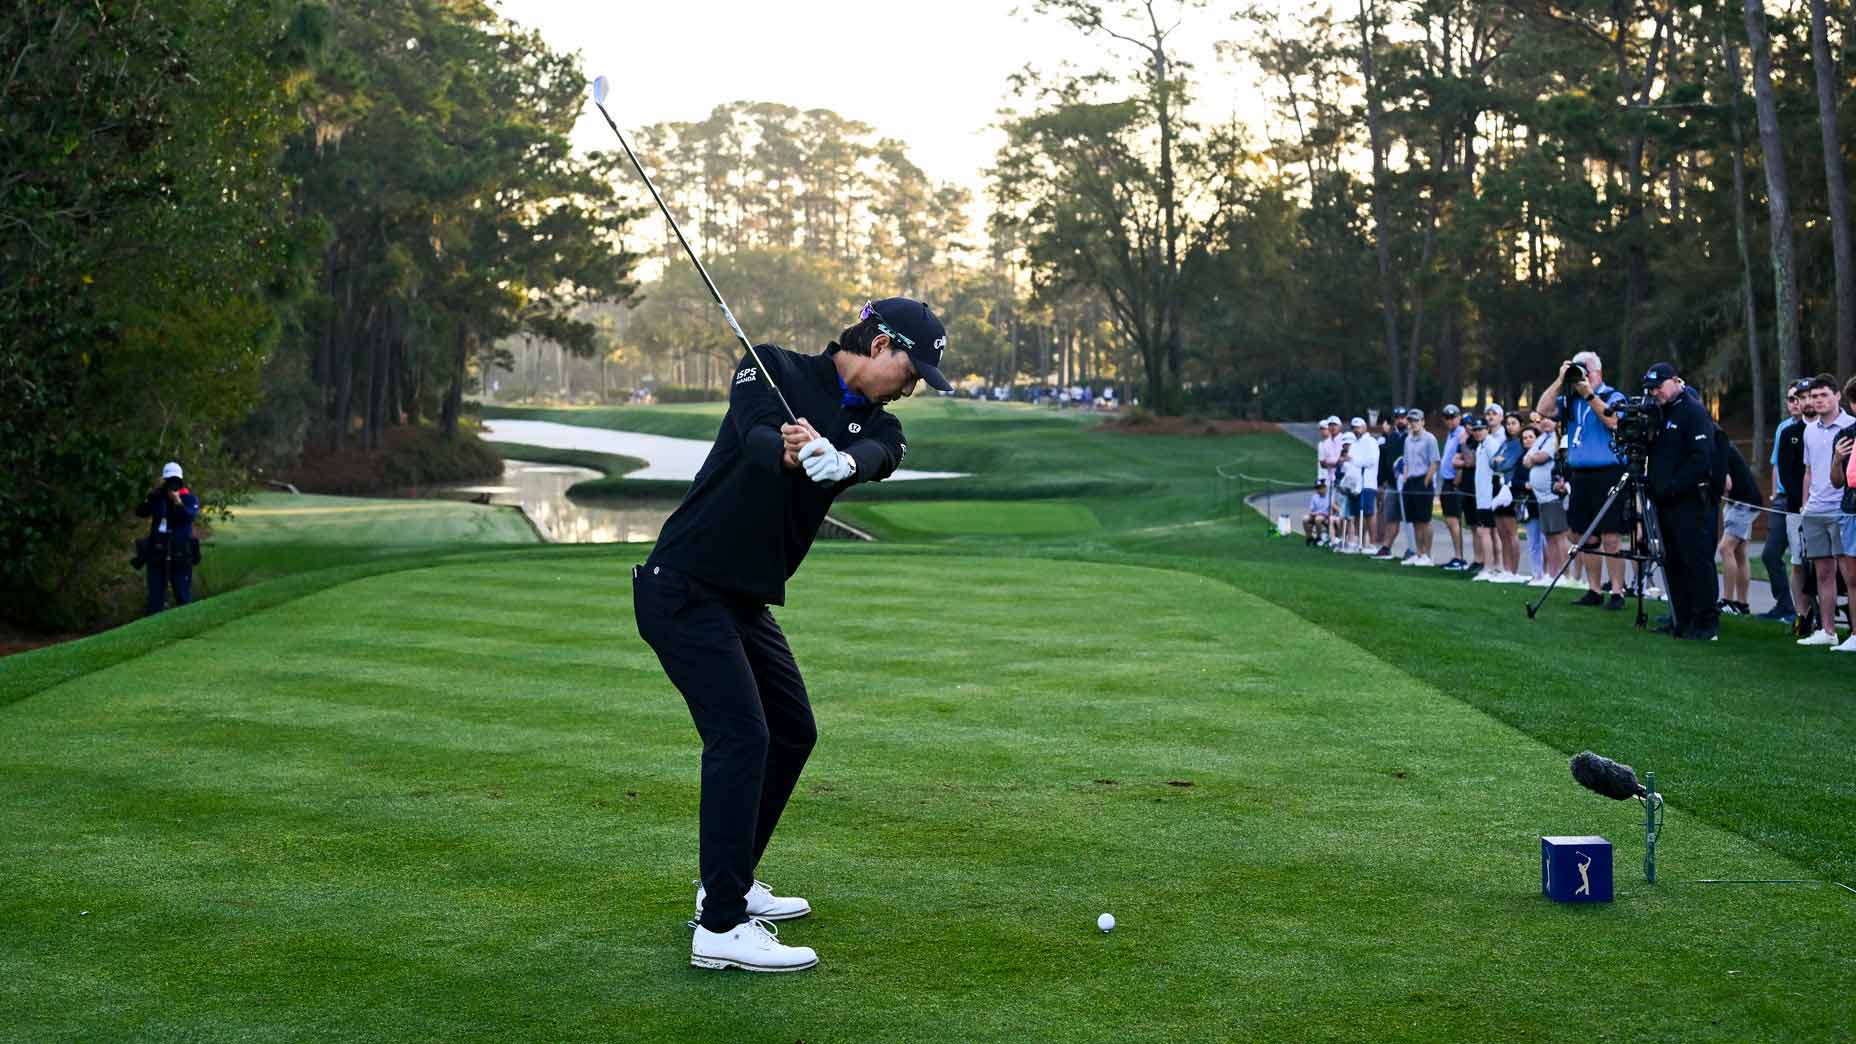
point(1315, 523)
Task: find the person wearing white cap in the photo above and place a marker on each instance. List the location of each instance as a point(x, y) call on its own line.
point(169, 549)
point(1365, 457)
point(1327, 453)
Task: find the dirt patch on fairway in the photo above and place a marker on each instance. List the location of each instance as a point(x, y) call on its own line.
point(1186, 426)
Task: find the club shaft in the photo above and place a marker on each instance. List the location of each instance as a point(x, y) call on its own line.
point(727, 313)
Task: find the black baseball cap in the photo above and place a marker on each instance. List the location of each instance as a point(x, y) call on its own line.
point(1799, 387)
point(913, 325)
point(1452, 410)
point(1659, 373)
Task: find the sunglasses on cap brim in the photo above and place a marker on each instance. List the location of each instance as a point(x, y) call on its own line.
point(882, 324)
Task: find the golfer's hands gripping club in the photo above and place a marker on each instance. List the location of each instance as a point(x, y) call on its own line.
point(795, 436)
point(823, 462)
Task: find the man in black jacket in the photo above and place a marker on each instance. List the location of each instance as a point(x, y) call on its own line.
point(726, 553)
point(1681, 471)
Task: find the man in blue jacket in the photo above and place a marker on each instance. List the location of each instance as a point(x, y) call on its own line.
point(170, 508)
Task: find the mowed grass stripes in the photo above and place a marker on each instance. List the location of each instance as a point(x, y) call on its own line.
point(458, 803)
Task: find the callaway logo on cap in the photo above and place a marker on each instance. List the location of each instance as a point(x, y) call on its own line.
point(913, 325)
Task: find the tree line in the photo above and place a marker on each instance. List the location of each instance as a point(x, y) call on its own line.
point(231, 234)
point(1452, 196)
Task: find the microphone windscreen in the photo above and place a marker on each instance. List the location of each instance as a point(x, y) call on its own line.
point(1604, 776)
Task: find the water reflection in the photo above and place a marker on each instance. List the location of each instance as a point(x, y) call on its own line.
point(541, 490)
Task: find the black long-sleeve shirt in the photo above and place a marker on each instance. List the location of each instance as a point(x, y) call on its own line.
point(1729, 462)
point(1682, 455)
point(747, 521)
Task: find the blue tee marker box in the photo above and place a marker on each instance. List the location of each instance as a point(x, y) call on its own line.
point(1575, 869)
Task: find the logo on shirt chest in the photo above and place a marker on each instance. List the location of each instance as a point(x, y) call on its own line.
point(853, 427)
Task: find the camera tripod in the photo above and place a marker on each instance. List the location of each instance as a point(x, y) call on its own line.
point(1646, 538)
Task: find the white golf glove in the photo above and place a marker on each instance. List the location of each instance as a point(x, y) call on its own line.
point(824, 464)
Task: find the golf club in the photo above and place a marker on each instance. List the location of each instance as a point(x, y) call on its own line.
point(600, 88)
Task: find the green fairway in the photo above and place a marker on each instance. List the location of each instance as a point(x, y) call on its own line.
point(458, 803)
point(1309, 786)
point(988, 517)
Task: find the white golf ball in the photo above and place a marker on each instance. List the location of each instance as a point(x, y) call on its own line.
point(1106, 922)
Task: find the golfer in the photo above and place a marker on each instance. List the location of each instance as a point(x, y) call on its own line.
point(724, 556)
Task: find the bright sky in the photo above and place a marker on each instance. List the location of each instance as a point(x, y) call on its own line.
point(931, 74)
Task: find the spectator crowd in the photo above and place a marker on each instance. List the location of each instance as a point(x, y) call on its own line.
point(1516, 490)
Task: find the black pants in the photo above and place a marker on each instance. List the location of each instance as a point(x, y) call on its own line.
point(1778, 572)
point(727, 657)
point(163, 573)
point(1688, 527)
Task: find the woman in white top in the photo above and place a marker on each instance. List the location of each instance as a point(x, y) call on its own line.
point(1488, 548)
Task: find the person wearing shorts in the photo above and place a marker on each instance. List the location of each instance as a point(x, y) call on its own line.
point(1419, 486)
point(1594, 469)
point(1391, 463)
point(1366, 464)
point(1822, 528)
point(1740, 507)
point(1450, 491)
point(1549, 489)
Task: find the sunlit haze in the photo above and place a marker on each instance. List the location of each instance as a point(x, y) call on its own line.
point(932, 75)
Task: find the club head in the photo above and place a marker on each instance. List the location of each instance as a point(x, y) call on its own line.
point(599, 90)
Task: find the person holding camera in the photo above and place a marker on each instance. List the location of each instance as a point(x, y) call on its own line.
point(1593, 467)
point(1681, 479)
point(168, 550)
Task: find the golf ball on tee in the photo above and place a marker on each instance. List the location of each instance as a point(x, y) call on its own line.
point(1106, 922)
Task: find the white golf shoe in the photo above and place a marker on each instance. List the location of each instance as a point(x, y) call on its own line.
point(762, 903)
point(1819, 637)
point(753, 945)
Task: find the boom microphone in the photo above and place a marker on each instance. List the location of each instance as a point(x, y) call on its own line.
point(1603, 776)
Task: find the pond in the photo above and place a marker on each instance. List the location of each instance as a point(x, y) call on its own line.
point(541, 491)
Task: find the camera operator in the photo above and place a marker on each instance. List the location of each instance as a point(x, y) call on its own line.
point(1680, 472)
point(169, 548)
point(1593, 466)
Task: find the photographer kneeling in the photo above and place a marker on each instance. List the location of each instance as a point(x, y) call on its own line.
point(1681, 471)
point(1583, 403)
